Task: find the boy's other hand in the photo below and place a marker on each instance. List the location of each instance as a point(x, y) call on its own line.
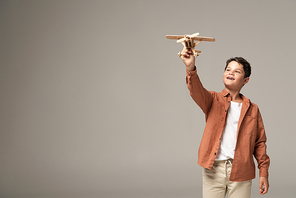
point(189, 59)
point(263, 185)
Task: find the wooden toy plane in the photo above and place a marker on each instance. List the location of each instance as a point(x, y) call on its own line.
point(188, 41)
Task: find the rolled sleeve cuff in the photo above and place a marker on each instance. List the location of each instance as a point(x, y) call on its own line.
point(263, 172)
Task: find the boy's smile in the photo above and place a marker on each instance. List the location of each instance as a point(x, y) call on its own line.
point(230, 78)
point(234, 76)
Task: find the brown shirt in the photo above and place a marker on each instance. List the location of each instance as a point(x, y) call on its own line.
point(251, 136)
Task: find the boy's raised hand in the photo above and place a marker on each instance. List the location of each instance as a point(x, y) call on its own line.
point(189, 59)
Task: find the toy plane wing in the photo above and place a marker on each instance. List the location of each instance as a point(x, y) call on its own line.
point(199, 38)
point(188, 41)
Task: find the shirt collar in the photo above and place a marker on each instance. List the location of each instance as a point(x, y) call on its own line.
point(225, 93)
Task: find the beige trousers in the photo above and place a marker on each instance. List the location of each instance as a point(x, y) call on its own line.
point(216, 182)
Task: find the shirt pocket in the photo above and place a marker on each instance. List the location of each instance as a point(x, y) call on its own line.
point(249, 126)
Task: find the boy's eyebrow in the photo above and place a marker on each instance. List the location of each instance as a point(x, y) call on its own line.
point(235, 68)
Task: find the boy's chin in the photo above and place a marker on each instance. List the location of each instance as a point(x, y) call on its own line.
point(232, 87)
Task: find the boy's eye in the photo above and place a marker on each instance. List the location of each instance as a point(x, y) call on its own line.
point(238, 72)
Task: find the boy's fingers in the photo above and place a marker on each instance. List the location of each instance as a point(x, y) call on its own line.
point(188, 50)
point(185, 55)
point(263, 188)
point(262, 191)
point(263, 185)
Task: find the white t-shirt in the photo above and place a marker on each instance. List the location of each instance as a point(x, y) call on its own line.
point(228, 139)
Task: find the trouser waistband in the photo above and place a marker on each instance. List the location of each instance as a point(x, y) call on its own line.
point(225, 162)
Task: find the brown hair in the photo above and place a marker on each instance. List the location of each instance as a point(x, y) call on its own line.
point(246, 65)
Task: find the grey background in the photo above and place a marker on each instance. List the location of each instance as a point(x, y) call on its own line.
point(93, 100)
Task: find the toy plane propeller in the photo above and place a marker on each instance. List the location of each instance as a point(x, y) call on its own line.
point(188, 41)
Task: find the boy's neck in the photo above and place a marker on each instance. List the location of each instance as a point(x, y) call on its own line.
point(235, 95)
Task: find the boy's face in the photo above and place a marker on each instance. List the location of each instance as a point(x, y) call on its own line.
point(234, 76)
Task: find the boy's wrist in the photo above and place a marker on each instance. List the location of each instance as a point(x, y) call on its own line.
point(191, 68)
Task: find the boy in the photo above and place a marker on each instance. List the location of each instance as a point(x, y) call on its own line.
point(234, 132)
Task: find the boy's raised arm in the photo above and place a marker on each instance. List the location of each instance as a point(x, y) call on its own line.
point(200, 95)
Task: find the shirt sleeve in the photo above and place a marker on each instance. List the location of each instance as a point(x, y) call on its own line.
point(199, 94)
point(260, 149)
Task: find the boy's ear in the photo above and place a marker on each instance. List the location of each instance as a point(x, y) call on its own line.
point(246, 80)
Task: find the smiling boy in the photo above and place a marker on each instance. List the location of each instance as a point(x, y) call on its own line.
point(233, 134)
